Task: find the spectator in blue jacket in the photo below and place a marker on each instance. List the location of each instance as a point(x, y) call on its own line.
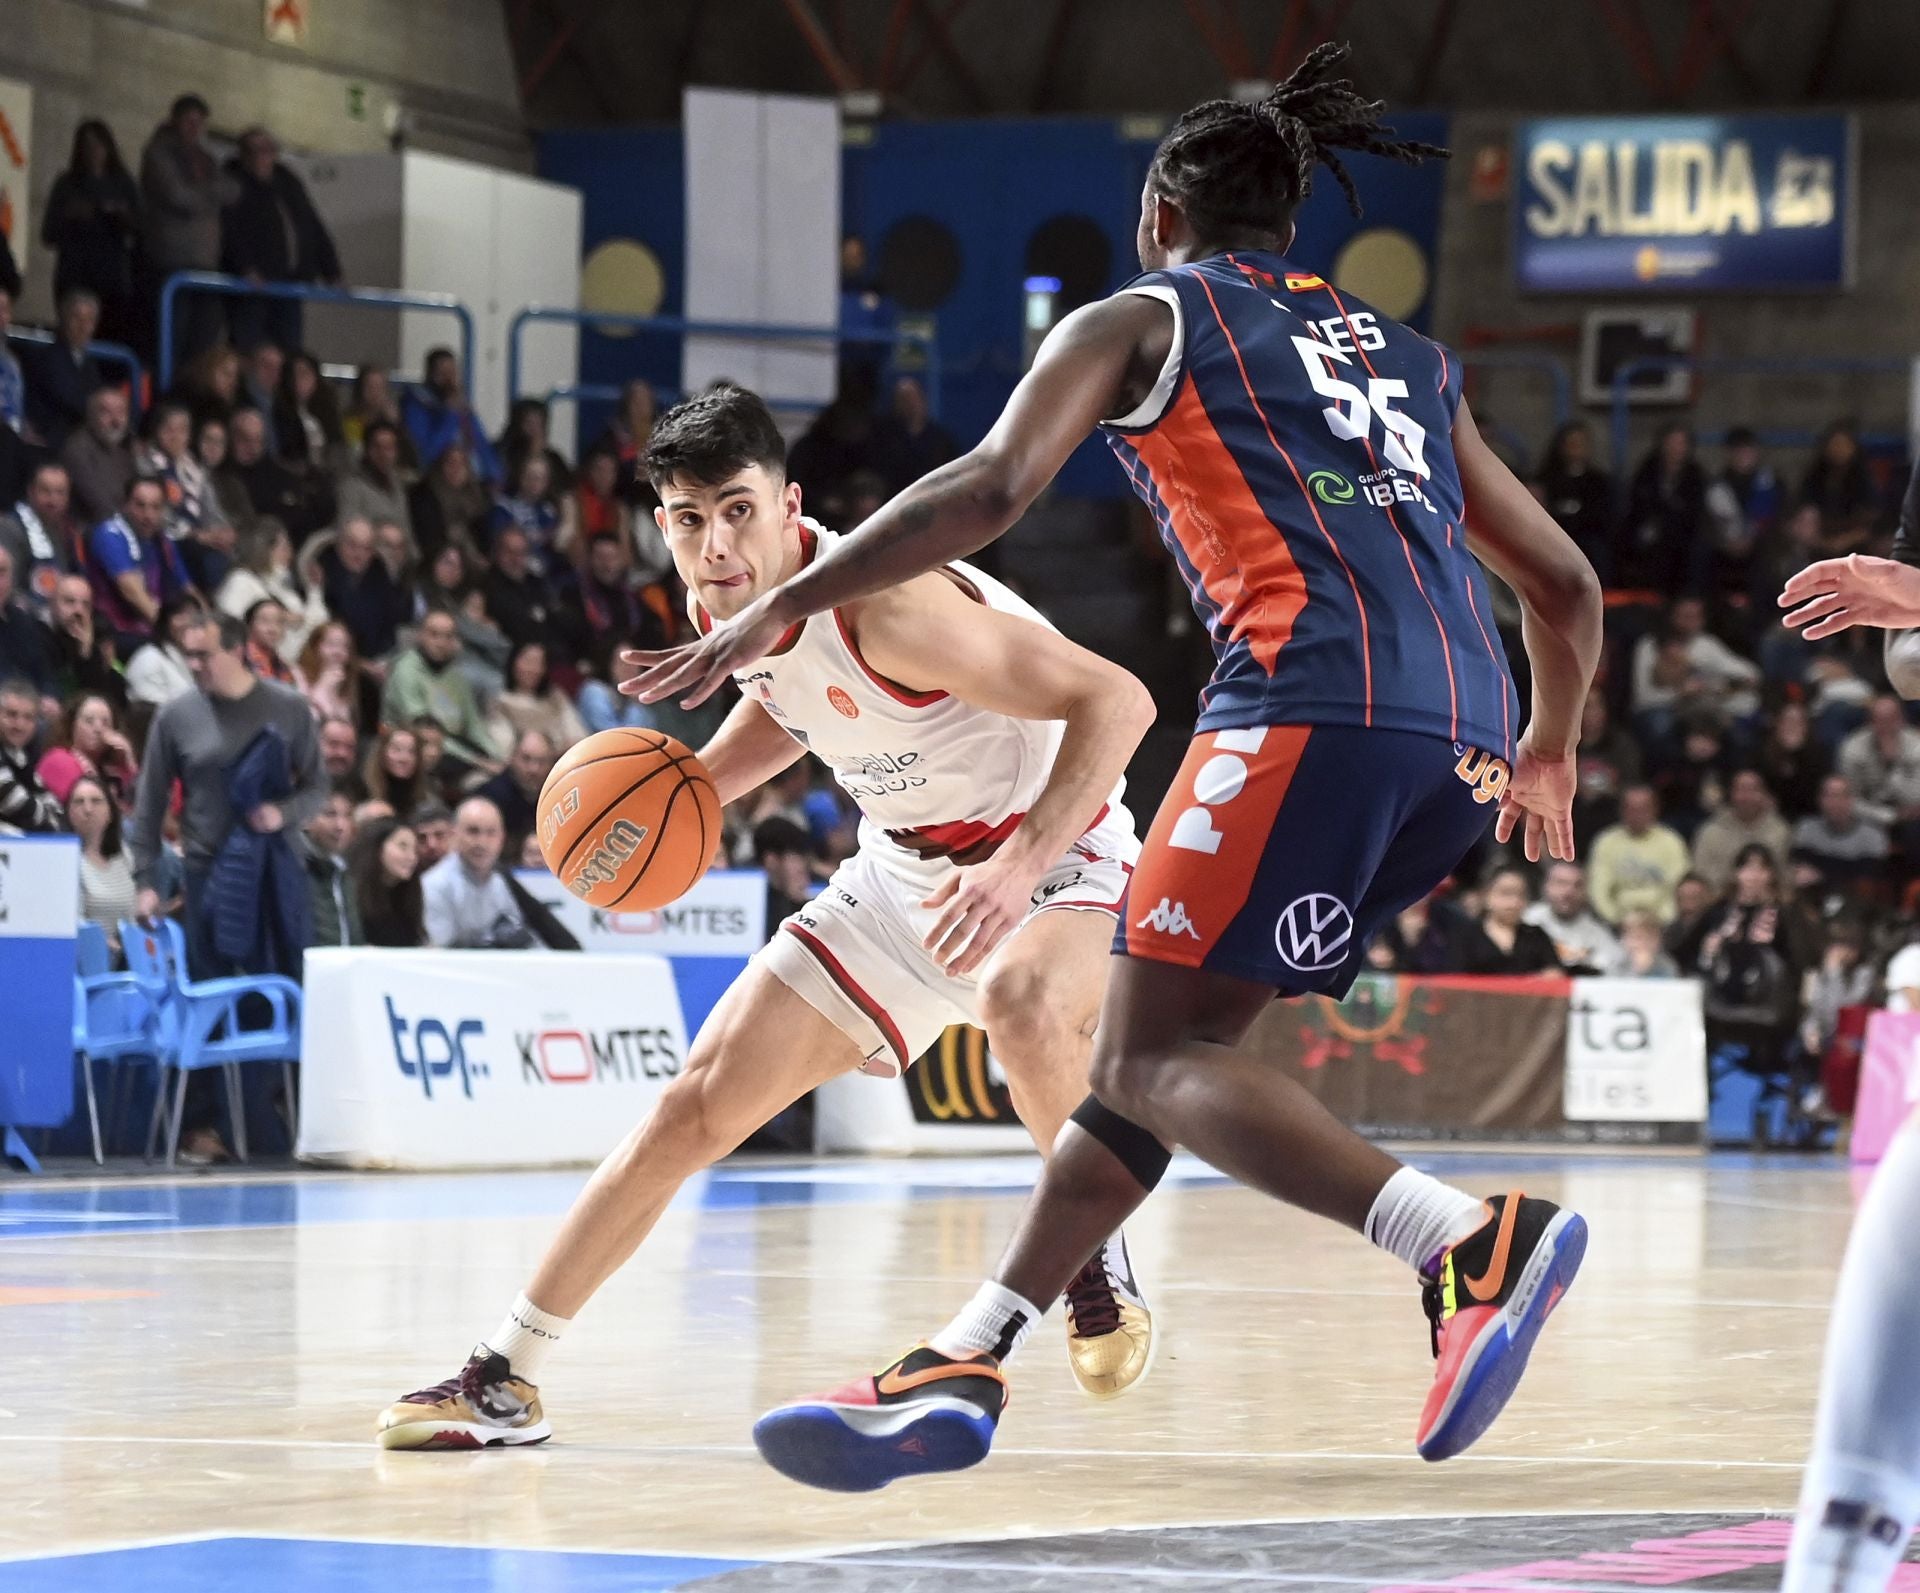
point(436, 416)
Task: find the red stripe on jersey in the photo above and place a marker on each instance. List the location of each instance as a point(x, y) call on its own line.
point(1446, 647)
point(850, 988)
point(1366, 645)
point(893, 688)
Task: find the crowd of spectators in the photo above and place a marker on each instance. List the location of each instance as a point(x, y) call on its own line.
point(426, 615)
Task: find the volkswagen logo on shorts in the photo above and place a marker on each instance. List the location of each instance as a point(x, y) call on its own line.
point(1313, 933)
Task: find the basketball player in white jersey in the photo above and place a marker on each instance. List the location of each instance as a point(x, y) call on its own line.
point(1861, 1495)
point(985, 752)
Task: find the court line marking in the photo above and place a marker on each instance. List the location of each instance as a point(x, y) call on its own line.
point(834, 1553)
point(1394, 1456)
point(1490, 1581)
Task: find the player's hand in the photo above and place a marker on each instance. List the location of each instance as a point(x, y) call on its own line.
point(694, 672)
point(1540, 798)
point(1838, 594)
point(980, 904)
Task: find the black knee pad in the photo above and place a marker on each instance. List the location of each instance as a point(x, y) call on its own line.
point(1136, 1150)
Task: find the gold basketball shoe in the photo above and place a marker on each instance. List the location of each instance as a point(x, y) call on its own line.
point(1109, 1328)
point(485, 1405)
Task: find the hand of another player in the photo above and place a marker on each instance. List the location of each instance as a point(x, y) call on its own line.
point(981, 905)
point(1539, 802)
point(1838, 594)
point(694, 672)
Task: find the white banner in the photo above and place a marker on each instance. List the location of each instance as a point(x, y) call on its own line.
point(16, 165)
point(724, 915)
point(39, 887)
point(1636, 1052)
point(481, 1058)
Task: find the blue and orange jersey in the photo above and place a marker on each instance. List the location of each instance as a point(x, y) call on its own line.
point(1297, 454)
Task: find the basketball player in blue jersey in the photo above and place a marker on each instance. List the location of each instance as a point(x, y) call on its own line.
point(1324, 491)
point(1861, 1495)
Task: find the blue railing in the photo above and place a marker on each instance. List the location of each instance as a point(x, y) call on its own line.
point(1622, 390)
point(365, 298)
point(1546, 365)
point(744, 331)
point(112, 353)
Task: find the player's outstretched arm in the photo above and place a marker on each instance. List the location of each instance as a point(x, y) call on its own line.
point(747, 751)
point(930, 636)
point(1838, 594)
point(1078, 378)
point(1560, 622)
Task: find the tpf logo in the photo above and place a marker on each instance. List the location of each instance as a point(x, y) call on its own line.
point(427, 1050)
point(1313, 933)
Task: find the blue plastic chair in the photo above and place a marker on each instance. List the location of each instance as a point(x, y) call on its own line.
point(111, 1019)
point(197, 1025)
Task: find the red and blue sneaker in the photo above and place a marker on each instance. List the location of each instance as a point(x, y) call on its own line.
point(1486, 1302)
point(925, 1412)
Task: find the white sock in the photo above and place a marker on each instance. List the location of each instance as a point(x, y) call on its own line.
point(526, 1336)
point(1415, 1217)
point(1862, 1488)
point(995, 1320)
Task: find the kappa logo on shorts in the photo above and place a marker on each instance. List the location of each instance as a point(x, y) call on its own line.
point(1169, 918)
point(1313, 933)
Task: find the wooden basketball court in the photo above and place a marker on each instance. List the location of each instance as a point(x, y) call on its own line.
point(194, 1367)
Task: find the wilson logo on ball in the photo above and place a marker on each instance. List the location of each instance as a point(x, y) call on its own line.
point(602, 866)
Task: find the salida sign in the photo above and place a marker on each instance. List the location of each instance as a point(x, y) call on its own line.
point(434, 1050)
point(1650, 203)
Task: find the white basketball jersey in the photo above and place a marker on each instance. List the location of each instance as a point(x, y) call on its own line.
point(933, 777)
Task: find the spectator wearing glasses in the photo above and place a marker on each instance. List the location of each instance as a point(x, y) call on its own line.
point(160, 671)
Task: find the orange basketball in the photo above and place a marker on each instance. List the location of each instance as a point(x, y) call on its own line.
point(629, 820)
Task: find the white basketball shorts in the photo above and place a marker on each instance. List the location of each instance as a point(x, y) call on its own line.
point(854, 952)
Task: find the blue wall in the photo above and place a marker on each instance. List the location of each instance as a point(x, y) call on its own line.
point(991, 183)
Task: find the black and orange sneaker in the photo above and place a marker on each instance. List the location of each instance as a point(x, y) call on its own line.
point(925, 1412)
point(1487, 1301)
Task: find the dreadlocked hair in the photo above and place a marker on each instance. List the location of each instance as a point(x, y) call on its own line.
point(1236, 167)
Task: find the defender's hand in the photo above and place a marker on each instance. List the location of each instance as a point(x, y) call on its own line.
point(1838, 594)
point(694, 672)
point(1541, 793)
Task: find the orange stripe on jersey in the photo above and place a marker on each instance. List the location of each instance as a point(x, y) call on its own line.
point(1366, 645)
point(1446, 647)
point(1239, 554)
point(1197, 867)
